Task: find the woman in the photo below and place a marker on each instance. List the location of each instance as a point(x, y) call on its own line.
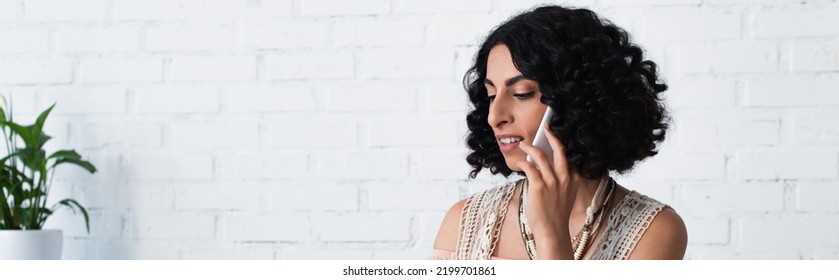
point(608, 116)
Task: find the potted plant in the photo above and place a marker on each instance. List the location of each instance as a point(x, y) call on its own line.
point(25, 178)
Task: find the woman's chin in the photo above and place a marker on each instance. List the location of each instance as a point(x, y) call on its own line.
point(513, 164)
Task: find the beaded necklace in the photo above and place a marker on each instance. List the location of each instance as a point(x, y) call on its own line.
point(585, 233)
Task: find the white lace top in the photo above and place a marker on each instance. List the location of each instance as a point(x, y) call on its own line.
point(484, 212)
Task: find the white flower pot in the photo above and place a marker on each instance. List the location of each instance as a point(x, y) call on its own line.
point(30, 244)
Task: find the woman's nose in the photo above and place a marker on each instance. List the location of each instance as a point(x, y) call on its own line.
point(499, 112)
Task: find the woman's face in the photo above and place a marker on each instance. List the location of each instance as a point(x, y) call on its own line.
point(515, 110)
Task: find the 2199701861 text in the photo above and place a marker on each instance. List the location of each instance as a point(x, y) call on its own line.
point(439, 270)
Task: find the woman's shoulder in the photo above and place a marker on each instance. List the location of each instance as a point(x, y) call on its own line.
point(665, 238)
point(663, 234)
point(448, 233)
point(641, 227)
point(449, 228)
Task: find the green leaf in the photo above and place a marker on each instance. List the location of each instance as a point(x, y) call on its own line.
point(42, 139)
point(22, 214)
point(65, 154)
point(82, 163)
point(17, 195)
point(11, 177)
point(4, 159)
point(11, 186)
point(39, 126)
point(35, 159)
point(71, 203)
point(38, 135)
point(5, 210)
point(34, 217)
point(41, 216)
point(2, 115)
point(32, 194)
point(21, 131)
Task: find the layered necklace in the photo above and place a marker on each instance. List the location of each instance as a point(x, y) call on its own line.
point(594, 214)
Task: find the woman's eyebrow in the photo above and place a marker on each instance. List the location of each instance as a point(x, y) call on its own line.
point(508, 82)
point(514, 80)
point(488, 82)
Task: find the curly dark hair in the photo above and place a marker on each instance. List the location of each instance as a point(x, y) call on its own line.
point(608, 111)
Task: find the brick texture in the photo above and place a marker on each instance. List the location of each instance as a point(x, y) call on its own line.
point(329, 129)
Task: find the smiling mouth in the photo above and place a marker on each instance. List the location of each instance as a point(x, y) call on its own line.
point(510, 140)
point(509, 143)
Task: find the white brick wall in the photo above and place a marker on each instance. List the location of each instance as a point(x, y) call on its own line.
point(128, 135)
point(189, 38)
point(698, 92)
point(175, 99)
point(380, 32)
point(368, 97)
point(334, 129)
point(264, 165)
point(63, 11)
point(120, 37)
point(228, 68)
point(285, 97)
point(215, 135)
point(36, 71)
point(812, 21)
point(364, 227)
point(299, 132)
point(403, 64)
point(203, 196)
point(439, 6)
point(787, 164)
point(84, 100)
point(25, 41)
point(815, 56)
point(459, 29)
point(8, 10)
point(310, 65)
point(121, 70)
point(787, 92)
point(196, 10)
point(288, 227)
point(321, 196)
point(816, 130)
point(368, 165)
point(669, 24)
point(286, 34)
point(329, 8)
point(707, 58)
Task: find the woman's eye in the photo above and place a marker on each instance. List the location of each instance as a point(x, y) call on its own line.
point(491, 98)
point(523, 96)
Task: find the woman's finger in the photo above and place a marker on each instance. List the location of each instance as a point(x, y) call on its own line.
point(541, 161)
point(560, 162)
point(534, 178)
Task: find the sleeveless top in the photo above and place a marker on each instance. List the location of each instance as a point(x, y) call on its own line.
point(484, 212)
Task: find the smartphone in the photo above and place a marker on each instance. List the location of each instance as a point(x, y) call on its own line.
point(541, 140)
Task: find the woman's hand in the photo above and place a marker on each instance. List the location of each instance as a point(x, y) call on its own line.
point(552, 190)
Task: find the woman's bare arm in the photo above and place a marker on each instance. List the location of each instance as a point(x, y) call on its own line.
point(665, 239)
point(447, 235)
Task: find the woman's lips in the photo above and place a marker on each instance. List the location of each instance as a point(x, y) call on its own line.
point(508, 147)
